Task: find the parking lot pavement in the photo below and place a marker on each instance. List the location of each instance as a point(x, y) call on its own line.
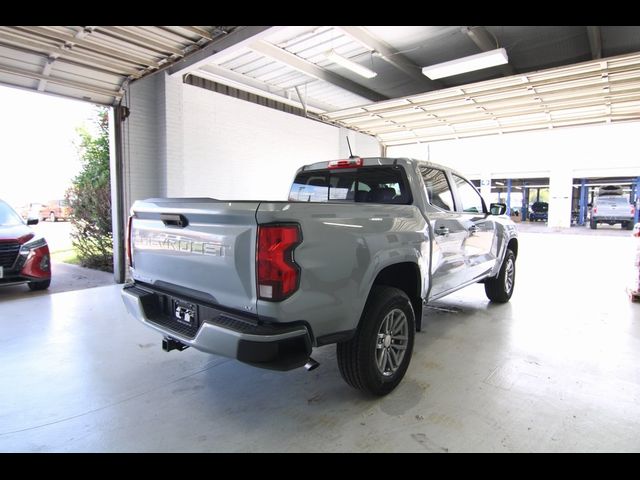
point(65, 278)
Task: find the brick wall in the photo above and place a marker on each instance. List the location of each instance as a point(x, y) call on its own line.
point(181, 140)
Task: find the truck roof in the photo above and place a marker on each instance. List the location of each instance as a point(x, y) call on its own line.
point(372, 161)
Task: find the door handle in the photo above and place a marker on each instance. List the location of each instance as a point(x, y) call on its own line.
point(172, 220)
point(473, 229)
point(442, 231)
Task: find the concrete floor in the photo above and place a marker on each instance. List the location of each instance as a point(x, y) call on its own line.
point(555, 370)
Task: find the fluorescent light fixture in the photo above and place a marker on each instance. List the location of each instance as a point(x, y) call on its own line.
point(467, 64)
point(349, 65)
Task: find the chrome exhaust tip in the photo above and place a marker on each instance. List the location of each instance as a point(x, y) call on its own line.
point(311, 364)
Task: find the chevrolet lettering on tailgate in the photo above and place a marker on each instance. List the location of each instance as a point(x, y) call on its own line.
point(176, 243)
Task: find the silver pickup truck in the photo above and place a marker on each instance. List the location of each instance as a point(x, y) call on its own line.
point(351, 258)
point(612, 209)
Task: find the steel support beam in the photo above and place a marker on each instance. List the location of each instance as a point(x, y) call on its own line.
point(508, 196)
point(486, 42)
point(302, 100)
point(236, 39)
point(312, 70)
point(525, 202)
point(237, 80)
point(637, 203)
point(595, 42)
point(46, 71)
point(117, 115)
point(390, 55)
point(583, 202)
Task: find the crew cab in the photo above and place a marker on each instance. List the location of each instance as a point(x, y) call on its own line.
point(349, 259)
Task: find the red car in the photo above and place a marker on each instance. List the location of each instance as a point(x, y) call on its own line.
point(24, 256)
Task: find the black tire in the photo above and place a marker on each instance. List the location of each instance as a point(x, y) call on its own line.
point(357, 358)
point(593, 224)
point(628, 225)
point(497, 288)
point(43, 285)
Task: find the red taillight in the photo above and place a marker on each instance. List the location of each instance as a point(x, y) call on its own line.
point(633, 210)
point(350, 163)
point(129, 241)
point(595, 209)
point(278, 275)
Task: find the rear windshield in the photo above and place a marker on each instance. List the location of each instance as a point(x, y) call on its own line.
point(364, 184)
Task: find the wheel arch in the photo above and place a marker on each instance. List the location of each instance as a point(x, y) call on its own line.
point(513, 246)
point(404, 276)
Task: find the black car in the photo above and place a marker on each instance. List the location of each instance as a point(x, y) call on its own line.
point(539, 211)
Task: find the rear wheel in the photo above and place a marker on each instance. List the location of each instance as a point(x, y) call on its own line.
point(43, 285)
point(628, 225)
point(499, 289)
point(593, 224)
point(376, 359)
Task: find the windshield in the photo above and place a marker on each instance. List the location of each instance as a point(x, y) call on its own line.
point(8, 217)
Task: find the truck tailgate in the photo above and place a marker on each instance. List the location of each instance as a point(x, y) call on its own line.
point(198, 247)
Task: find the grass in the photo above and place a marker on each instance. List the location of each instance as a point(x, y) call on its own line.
point(66, 256)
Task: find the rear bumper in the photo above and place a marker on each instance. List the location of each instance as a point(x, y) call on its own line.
point(276, 347)
point(612, 219)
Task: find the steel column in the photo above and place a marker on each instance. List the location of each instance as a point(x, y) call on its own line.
point(117, 115)
point(508, 196)
point(583, 202)
point(637, 204)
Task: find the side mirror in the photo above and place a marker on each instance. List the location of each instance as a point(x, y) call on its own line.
point(32, 221)
point(498, 208)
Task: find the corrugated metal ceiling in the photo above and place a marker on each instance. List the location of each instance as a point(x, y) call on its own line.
point(276, 76)
point(93, 63)
point(522, 95)
point(290, 64)
point(605, 90)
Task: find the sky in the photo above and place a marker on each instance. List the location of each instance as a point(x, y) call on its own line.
point(38, 157)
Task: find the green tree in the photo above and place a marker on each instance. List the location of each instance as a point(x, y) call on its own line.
point(90, 198)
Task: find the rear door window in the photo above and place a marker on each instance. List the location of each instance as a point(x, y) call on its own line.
point(438, 188)
point(364, 184)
